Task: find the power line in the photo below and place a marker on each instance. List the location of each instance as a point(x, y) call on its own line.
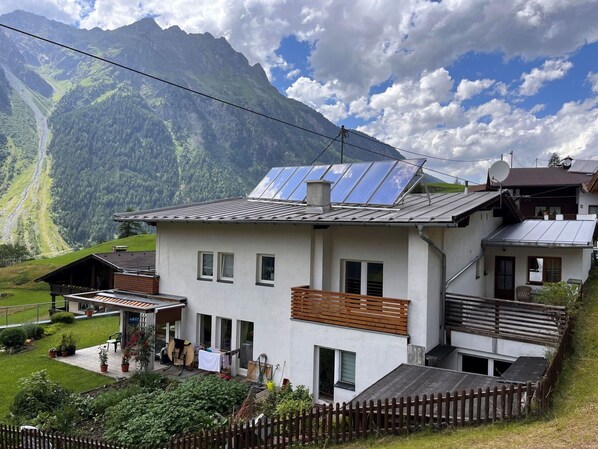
point(427, 156)
point(228, 103)
point(327, 146)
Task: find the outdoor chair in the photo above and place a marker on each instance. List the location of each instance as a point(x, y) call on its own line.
point(523, 293)
point(114, 339)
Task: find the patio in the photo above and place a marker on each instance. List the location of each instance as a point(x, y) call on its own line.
point(87, 358)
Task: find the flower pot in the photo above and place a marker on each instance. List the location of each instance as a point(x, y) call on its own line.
point(124, 367)
point(104, 368)
point(52, 354)
point(64, 353)
point(88, 312)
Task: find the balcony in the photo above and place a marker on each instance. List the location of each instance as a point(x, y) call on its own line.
point(511, 320)
point(140, 282)
point(371, 313)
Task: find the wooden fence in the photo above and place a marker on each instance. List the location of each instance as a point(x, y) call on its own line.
point(326, 423)
point(350, 310)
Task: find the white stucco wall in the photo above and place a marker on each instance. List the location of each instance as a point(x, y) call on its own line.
point(267, 307)
point(463, 245)
point(376, 354)
point(575, 263)
point(585, 200)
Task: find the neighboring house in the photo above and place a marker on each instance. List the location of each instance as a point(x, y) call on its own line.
point(337, 287)
point(100, 271)
point(549, 190)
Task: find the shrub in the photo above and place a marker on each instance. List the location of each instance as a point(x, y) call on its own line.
point(63, 317)
point(110, 398)
point(34, 331)
point(13, 338)
point(286, 400)
point(559, 294)
point(149, 418)
point(51, 329)
point(68, 343)
point(38, 394)
point(150, 381)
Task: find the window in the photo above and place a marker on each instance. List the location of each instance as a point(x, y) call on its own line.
point(500, 367)
point(245, 343)
point(593, 210)
point(347, 374)
point(472, 364)
point(226, 332)
point(205, 330)
point(265, 267)
point(543, 269)
point(364, 278)
point(540, 211)
point(205, 261)
point(226, 267)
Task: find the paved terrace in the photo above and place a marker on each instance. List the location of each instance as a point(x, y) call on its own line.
point(88, 358)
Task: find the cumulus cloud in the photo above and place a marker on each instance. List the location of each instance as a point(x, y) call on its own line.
point(320, 97)
point(468, 89)
point(593, 79)
point(552, 69)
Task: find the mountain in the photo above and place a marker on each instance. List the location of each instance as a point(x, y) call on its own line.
point(122, 140)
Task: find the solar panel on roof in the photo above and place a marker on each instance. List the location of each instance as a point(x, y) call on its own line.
point(374, 183)
point(300, 193)
point(369, 182)
point(264, 183)
point(347, 182)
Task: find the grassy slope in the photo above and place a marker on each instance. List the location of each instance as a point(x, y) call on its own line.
point(17, 282)
point(17, 366)
point(573, 422)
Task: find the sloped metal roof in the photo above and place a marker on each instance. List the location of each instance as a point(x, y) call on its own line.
point(545, 233)
point(543, 176)
point(443, 208)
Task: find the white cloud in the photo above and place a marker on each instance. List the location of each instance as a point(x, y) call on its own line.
point(320, 97)
point(552, 69)
point(293, 74)
point(593, 79)
point(468, 89)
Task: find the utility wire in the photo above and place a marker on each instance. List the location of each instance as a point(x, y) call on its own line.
point(220, 100)
point(327, 146)
point(427, 156)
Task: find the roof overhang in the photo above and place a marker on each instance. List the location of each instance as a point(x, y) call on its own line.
point(545, 234)
point(134, 302)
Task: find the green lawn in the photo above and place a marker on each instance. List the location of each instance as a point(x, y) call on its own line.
point(573, 422)
point(91, 332)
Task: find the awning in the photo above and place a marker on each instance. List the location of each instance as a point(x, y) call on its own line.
point(133, 302)
point(545, 233)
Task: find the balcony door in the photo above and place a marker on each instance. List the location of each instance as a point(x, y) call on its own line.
point(504, 277)
point(364, 278)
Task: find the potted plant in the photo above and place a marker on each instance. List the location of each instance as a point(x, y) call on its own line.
point(88, 312)
point(52, 353)
point(124, 364)
point(62, 347)
point(103, 354)
point(71, 343)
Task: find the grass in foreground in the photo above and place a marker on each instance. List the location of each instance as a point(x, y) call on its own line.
point(572, 423)
point(17, 366)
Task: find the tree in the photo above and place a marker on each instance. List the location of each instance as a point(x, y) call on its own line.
point(554, 160)
point(128, 228)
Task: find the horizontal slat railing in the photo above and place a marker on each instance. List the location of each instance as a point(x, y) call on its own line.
point(374, 313)
point(520, 321)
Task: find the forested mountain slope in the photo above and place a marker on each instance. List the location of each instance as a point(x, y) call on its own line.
point(122, 140)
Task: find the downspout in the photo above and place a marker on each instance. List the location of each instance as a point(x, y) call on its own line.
point(420, 230)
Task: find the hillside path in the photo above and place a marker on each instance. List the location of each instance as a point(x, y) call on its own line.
point(43, 134)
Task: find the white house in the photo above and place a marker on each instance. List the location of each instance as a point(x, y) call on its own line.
point(335, 294)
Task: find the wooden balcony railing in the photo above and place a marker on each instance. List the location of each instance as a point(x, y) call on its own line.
point(373, 313)
point(65, 289)
point(511, 320)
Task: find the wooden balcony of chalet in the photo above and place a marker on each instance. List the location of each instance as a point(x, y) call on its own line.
point(511, 320)
point(373, 313)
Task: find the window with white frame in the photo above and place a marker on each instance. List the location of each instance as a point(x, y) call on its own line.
point(265, 268)
point(543, 269)
point(347, 367)
point(364, 278)
point(205, 265)
point(226, 266)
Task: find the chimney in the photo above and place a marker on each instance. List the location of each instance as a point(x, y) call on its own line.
point(466, 189)
point(318, 196)
point(119, 248)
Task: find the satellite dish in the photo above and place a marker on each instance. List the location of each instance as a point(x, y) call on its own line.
point(499, 171)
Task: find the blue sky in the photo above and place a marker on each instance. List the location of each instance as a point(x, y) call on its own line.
point(454, 80)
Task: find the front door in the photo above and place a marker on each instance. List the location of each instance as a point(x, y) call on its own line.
point(326, 374)
point(504, 277)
